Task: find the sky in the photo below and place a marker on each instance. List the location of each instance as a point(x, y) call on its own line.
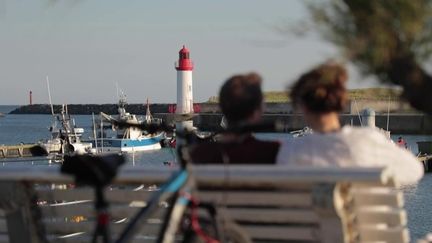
point(87, 47)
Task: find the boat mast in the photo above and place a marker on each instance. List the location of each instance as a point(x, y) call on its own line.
point(65, 124)
point(94, 131)
point(148, 116)
point(358, 112)
point(49, 96)
point(54, 123)
point(102, 135)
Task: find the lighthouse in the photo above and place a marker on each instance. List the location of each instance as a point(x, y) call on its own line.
point(30, 98)
point(184, 67)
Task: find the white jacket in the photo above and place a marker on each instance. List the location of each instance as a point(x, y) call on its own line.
point(351, 146)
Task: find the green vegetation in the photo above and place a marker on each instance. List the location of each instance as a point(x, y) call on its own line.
point(375, 93)
point(369, 93)
point(390, 39)
point(276, 96)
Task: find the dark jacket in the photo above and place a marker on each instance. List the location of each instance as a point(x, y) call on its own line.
point(248, 151)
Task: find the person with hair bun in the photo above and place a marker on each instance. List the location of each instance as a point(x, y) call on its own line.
point(320, 95)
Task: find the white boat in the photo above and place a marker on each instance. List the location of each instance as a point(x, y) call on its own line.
point(129, 139)
point(302, 132)
point(65, 136)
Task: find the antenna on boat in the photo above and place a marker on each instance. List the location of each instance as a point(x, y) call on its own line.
point(94, 131)
point(358, 112)
point(49, 96)
point(388, 113)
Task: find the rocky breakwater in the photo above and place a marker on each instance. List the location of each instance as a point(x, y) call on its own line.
point(88, 109)
point(140, 109)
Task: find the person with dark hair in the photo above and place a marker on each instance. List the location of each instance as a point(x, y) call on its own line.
point(241, 99)
point(241, 102)
point(320, 95)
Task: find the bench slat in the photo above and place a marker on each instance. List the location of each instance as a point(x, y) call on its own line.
point(257, 198)
point(87, 237)
point(261, 215)
point(277, 216)
point(265, 198)
point(390, 217)
point(282, 233)
point(379, 196)
point(215, 175)
point(87, 210)
point(62, 228)
point(279, 198)
point(113, 196)
point(378, 234)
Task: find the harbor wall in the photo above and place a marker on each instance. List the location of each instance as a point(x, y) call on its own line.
point(398, 123)
point(403, 119)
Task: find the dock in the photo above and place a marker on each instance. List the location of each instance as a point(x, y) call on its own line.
point(16, 151)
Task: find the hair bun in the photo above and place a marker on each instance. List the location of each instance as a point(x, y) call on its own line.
point(322, 89)
point(320, 93)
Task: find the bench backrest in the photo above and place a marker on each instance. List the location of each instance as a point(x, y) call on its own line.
point(271, 204)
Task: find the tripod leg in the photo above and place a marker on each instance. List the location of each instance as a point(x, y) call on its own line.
point(103, 218)
point(102, 229)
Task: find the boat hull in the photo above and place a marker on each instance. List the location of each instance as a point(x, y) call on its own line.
point(129, 145)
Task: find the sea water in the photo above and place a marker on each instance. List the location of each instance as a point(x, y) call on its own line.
point(15, 129)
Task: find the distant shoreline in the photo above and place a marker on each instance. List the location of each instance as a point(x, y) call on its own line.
point(354, 106)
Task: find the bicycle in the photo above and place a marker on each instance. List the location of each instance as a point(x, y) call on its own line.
point(99, 171)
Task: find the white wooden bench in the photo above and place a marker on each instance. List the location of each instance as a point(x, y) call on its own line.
point(271, 204)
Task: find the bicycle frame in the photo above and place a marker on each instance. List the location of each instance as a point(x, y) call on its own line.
point(167, 192)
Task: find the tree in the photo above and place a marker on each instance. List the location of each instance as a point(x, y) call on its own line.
point(391, 39)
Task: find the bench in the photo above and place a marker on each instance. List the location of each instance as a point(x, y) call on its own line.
point(269, 203)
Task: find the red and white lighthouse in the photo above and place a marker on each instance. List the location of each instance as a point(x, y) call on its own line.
point(184, 67)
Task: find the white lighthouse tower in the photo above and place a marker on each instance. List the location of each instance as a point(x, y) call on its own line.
point(184, 67)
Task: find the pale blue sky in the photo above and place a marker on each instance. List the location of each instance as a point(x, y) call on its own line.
point(87, 46)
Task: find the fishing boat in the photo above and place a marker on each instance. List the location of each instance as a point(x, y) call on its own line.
point(130, 139)
point(65, 136)
point(302, 132)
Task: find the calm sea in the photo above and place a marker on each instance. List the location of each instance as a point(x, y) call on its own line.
point(16, 129)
